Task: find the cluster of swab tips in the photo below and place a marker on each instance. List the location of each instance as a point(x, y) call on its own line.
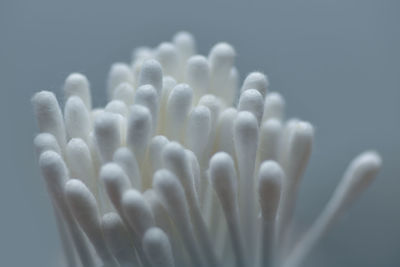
point(182, 167)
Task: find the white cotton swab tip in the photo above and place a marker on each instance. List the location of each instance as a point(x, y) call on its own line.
point(223, 176)
point(119, 73)
point(258, 81)
point(151, 73)
point(77, 84)
point(77, 118)
point(108, 136)
point(124, 92)
point(137, 211)
point(49, 117)
point(269, 190)
point(158, 248)
point(253, 101)
point(44, 142)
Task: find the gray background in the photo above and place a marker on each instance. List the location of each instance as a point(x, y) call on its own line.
point(335, 62)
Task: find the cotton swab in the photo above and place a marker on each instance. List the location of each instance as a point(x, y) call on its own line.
point(151, 73)
point(139, 131)
point(269, 192)
point(77, 84)
point(156, 147)
point(224, 133)
point(117, 239)
point(80, 164)
point(257, 81)
point(299, 150)
point(54, 173)
point(174, 158)
point(119, 73)
point(173, 195)
point(83, 205)
point(117, 107)
point(268, 148)
point(178, 107)
point(108, 135)
point(137, 211)
point(198, 76)
point(77, 118)
point(45, 141)
point(198, 130)
point(49, 117)
point(223, 177)
point(252, 100)
point(246, 141)
point(186, 47)
point(124, 92)
point(157, 248)
point(167, 55)
point(274, 107)
point(361, 171)
point(147, 96)
point(127, 161)
point(221, 58)
point(165, 223)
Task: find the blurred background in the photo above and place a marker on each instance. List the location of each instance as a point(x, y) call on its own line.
point(337, 63)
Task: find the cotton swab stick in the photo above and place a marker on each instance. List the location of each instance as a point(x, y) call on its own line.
point(269, 193)
point(117, 239)
point(108, 135)
point(198, 76)
point(257, 81)
point(253, 101)
point(223, 177)
point(80, 164)
point(77, 84)
point(151, 73)
point(246, 141)
point(139, 131)
point(164, 222)
point(119, 73)
point(157, 248)
point(127, 161)
point(174, 158)
point(49, 117)
point(54, 173)
point(116, 183)
point(360, 173)
point(167, 55)
point(43, 142)
point(124, 92)
point(77, 118)
point(299, 150)
point(274, 107)
point(173, 195)
point(84, 208)
point(178, 107)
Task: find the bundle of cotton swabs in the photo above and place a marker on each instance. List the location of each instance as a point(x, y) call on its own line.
point(182, 167)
